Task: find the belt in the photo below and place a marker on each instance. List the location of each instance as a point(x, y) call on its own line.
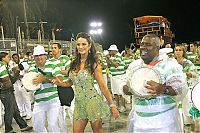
point(148, 114)
point(154, 101)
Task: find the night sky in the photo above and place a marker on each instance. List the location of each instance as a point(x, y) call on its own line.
point(74, 16)
point(117, 15)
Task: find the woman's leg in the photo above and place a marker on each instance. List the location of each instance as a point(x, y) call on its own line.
point(79, 126)
point(97, 126)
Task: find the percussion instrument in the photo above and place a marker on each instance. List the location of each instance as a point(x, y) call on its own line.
point(195, 92)
point(139, 78)
point(28, 83)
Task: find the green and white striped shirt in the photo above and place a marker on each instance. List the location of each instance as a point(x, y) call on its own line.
point(3, 71)
point(47, 91)
point(128, 60)
point(191, 56)
point(30, 62)
point(63, 62)
point(120, 69)
point(197, 65)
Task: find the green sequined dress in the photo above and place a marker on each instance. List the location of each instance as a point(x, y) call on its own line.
point(88, 103)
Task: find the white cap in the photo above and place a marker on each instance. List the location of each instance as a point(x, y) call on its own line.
point(39, 50)
point(113, 48)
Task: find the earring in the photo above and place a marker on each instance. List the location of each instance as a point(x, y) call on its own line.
point(89, 51)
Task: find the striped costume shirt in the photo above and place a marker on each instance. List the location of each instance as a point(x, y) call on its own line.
point(3, 71)
point(128, 60)
point(47, 91)
point(191, 56)
point(104, 70)
point(197, 65)
point(63, 62)
point(117, 70)
point(30, 62)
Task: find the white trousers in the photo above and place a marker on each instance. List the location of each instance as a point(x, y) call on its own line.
point(70, 110)
point(22, 99)
point(168, 122)
point(186, 106)
point(62, 120)
point(63, 115)
point(117, 83)
point(46, 111)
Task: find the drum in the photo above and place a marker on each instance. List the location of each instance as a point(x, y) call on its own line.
point(28, 83)
point(139, 78)
point(195, 92)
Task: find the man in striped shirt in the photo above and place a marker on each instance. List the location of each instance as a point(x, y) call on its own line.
point(116, 68)
point(8, 98)
point(65, 94)
point(159, 113)
point(47, 104)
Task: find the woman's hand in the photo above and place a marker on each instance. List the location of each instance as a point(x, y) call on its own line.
point(115, 112)
point(62, 83)
point(56, 81)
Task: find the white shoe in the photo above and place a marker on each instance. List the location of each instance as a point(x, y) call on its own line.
point(28, 117)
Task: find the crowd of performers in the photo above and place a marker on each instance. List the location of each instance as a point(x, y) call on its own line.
point(78, 83)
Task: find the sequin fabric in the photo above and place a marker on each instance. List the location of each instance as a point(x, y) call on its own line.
point(88, 103)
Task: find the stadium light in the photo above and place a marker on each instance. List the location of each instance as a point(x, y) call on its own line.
point(96, 28)
point(96, 31)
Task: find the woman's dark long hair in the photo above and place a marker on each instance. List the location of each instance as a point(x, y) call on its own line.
point(91, 59)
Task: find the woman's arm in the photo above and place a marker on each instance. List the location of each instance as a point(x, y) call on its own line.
point(102, 84)
point(64, 72)
point(104, 89)
point(62, 83)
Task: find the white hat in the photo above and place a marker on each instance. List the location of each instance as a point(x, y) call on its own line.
point(113, 47)
point(39, 50)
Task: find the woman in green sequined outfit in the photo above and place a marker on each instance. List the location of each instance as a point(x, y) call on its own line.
point(89, 105)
